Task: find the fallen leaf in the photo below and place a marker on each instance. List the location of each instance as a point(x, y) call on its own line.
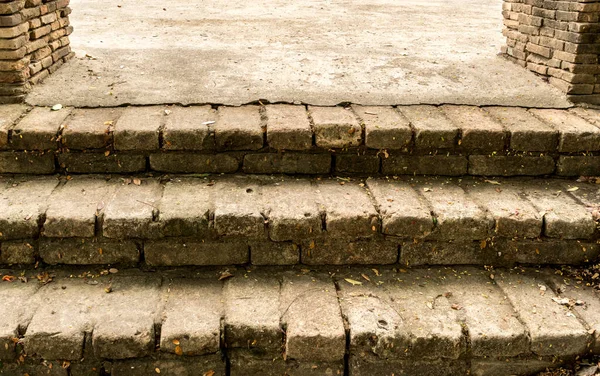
point(573, 189)
point(352, 281)
point(176, 342)
point(113, 270)
point(494, 182)
point(426, 189)
point(157, 370)
point(209, 373)
point(366, 277)
point(224, 275)
point(137, 181)
point(456, 307)
point(208, 122)
point(178, 350)
point(429, 305)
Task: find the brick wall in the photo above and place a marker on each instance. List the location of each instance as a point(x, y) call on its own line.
point(34, 42)
point(559, 40)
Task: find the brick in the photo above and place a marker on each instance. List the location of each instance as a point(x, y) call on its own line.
point(195, 252)
point(9, 114)
point(243, 363)
point(589, 313)
point(184, 208)
point(99, 163)
point(15, 31)
point(195, 366)
point(187, 163)
point(271, 253)
point(238, 208)
point(16, 313)
point(26, 163)
point(192, 318)
point(189, 128)
point(38, 130)
point(478, 130)
point(88, 252)
point(348, 210)
point(512, 165)
point(73, 209)
point(385, 128)
point(576, 134)
point(130, 212)
point(433, 130)
point(252, 316)
point(430, 367)
point(403, 212)
point(514, 216)
point(17, 252)
point(314, 326)
point(14, 43)
point(563, 217)
point(291, 209)
point(456, 215)
point(138, 128)
point(326, 251)
point(446, 253)
point(551, 330)
point(22, 205)
point(287, 163)
point(491, 367)
point(527, 133)
point(90, 128)
point(335, 127)
point(124, 324)
point(357, 163)
point(494, 326)
point(288, 127)
point(239, 128)
point(446, 165)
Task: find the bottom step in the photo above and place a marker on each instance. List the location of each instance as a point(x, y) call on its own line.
point(344, 321)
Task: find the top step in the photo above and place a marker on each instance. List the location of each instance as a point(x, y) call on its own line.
point(295, 139)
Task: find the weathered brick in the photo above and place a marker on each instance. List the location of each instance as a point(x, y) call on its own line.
point(446, 165)
point(385, 128)
point(192, 319)
point(130, 212)
point(326, 251)
point(38, 130)
point(184, 208)
point(551, 330)
point(252, 316)
point(456, 215)
point(575, 133)
point(348, 210)
point(478, 130)
point(239, 128)
point(189, 128)
point(433, 130)
point(16, 312)
point(88, 252)
point(9, 114)
point(335, 127)
point(511, 165)
point(311, 313)
point(403, 212)
point(238, 208)
point(99, 163)
point(175, 162)
point(203, 365)
point(291, 209)
point(74, 208)
point(26, 163)
point(288, 127)
point(90, 128)
point(22, 204)
point(138, 128)
point(527, 133)
point(195, 252)
point(357, 163)
point(274, 253)
point(287, 163)
point(17, 252)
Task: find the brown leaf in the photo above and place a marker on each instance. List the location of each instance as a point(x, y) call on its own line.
point(137, 181)
point(209, 373)
point(225, 275)
point(178, 350)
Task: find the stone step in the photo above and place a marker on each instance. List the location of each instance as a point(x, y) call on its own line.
point(274, 220)
point(296, 139)
point(354, 321)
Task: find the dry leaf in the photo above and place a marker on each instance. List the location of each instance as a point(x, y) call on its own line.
point(352, 281)
point(494, 182)
point(178, 350)
point(225, 275)
point(209, 373)
point(137, 181)
point(366, 277)
point(573, 189)
point(176, 342)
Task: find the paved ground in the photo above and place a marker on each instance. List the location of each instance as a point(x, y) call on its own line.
point(318, 52)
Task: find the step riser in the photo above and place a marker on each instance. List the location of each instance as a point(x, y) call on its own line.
point(421, 140)
point(283, 221)
point(415, 322)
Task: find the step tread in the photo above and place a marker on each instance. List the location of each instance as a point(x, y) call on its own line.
point(387, 318)
point(90, 220)
point(296, 139)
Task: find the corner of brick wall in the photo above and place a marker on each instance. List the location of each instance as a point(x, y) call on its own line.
point(34, 43)
point(559, 40)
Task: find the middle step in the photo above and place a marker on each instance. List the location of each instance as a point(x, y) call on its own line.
point(268, 220)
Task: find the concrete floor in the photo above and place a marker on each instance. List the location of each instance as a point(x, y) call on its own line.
point(313, 51)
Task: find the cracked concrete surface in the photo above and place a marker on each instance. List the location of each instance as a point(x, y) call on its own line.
point(320, 52)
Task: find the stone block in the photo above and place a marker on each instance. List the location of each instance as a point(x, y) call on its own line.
point(288, 127)
point(187, 163)
point(287, 163)
point(433, 130)
point(511, 165)
point(239, 128)
point(445, 165)
point(335, 127)
point(189, 128)
point(385, 128)
point(138, 128)
point(195, 252)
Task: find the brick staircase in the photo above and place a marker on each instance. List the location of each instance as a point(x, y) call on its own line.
point(418, 240)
